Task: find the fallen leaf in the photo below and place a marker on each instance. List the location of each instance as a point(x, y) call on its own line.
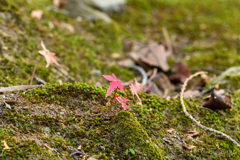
point(80, 146)
point(154, 55)
point(179, 73)
point(11, 102)
point(188, 135)
point(8, 106)
point(171, 131)
point(5, 145)
point(190, 93)
point(127, 45)
point(59, 3)
point(52, 149)
point(215, 101)
point(154, 89)
point(190, 147)
point(98, 84)
point(37, 14)
point(126, 62)
point(140, 87)
point(116, 55)
point(70, 28)
point(164, 84)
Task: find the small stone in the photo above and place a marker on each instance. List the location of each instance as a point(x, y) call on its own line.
point(107, 6)
point(46, 130)
point(91, 158)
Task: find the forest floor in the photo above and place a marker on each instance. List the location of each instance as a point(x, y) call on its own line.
point(70, 112)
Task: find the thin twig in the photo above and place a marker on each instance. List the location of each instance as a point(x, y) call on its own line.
point(34, 70)
point(198, 123)
point(76, 151)
point(168, 42)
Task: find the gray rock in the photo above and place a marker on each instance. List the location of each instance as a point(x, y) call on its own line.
point(76, 8)
point(46, 130)
point(91, 158)
point(107, 6)
point(221, 79)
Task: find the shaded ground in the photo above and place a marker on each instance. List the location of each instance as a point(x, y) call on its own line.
point(204, 34)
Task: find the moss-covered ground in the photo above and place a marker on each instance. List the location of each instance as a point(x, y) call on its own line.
point(204, 33)
point(76, 114)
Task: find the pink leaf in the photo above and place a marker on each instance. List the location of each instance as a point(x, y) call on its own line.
point(49, 56)
point(113, 84)
point(110, 78)
point(113, 75)
point(111, 88)
point(118, 83)
point(122, 100)
point(134, 92)
point(43, 45)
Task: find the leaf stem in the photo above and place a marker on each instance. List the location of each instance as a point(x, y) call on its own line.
point(34, 70)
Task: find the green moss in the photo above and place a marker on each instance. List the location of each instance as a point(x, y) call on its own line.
point(125, 129)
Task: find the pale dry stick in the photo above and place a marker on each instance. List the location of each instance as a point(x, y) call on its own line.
point(168, 42)
point(198, 123)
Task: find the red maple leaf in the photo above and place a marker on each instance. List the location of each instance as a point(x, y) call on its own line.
point(122, 100)
point(134, 92)
point(113, 84)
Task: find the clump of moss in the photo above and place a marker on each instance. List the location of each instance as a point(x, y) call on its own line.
point(127, 133)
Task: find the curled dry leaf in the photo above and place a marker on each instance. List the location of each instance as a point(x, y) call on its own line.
point(179, 73)
point(215, 101)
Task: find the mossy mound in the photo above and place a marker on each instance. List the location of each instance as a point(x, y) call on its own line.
point(127, 133)
point(74, 114)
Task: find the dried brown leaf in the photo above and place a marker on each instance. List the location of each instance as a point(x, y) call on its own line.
point(216, 101)
point(154, 55)
point(188, 135)
point(140, 87)
point(179, 73)
point(190, 93)
point(153, 89)
point(126, 62)
point(59, 3)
